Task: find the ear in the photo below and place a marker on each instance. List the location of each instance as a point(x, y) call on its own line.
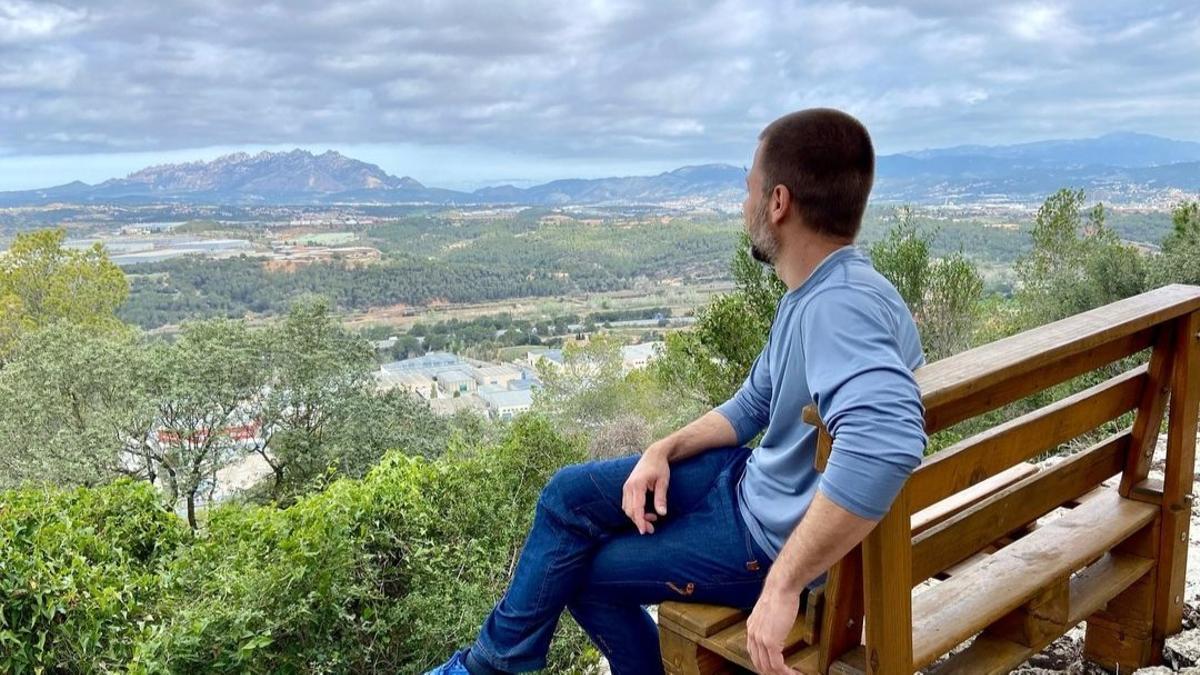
point(781, 204)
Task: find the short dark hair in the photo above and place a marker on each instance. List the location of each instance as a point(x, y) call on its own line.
point(825, 159)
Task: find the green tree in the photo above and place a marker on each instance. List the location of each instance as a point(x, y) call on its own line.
point(200, 386)
point(41, 282)
point(1179, 261)
point(72, 413)
point(314, 367)
point(942, 294)
point(703, 367)
point(358, 577)
point(1076, 264)
point(584, 390)
point(369, 424)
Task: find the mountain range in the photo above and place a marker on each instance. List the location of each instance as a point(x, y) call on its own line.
point(1115, 167)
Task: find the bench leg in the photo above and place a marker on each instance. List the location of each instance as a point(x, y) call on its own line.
point(1119, 637)
point(1039, 621)
point(682, 656)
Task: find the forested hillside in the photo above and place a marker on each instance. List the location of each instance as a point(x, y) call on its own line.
point(383, 533)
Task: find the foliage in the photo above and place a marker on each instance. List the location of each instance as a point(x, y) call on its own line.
point(42, 282)
point(591, 394)
point(314, 369)
point(87, 407)
point(80, 574)
point(705, 366)
point(71, 406)
point(1074, 265)
point(383, 574)
point(942, 294)
point(1180, 259)
point(198, 386)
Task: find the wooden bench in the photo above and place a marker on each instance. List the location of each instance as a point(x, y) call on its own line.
point(979, 547)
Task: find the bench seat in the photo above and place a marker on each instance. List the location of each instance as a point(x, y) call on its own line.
point(722, 630)
point(953, 610)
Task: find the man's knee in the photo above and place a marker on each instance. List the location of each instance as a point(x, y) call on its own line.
point(580, 489)
point(569, 487)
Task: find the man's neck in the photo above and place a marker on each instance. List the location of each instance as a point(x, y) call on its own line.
point(796, 263)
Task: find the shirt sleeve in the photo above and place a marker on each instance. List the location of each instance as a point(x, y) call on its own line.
point(749, 410)
point(868, 399)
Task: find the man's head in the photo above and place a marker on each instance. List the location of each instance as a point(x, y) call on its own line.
point(813, 169)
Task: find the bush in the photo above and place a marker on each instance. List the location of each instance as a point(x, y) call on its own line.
point(79, 574)
point(384, 574)
point(388, 573)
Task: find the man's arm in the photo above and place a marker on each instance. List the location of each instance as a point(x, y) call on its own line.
point(825, 534)
point(653, 471)
point(732, 423)
point(749, 410)
point(710, 430)
point(869, 400)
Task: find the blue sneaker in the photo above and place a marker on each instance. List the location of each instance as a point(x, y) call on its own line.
point(457, 665)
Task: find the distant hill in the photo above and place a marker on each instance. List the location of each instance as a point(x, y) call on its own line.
point(1121, 149)
point(714, 181)
point(267, 177)
point(1119, 167)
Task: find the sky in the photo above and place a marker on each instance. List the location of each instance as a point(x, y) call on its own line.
point(462, 94)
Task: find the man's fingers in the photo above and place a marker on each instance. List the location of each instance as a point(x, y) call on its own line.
point(752, 645)
point(628, 505)
point(637, 509)
point(660, 495)
point(776, 662)
point(756, 654)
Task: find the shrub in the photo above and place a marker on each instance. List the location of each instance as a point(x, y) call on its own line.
point(79, 574)
point(387, 573)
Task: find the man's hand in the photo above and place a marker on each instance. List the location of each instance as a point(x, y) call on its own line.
point(651, 474)
point(767, 628)
point(825, 534)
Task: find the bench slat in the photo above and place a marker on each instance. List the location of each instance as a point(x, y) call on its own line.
point(932, 515)
point(952, 611)
point(986, 454)
point(699, 619)
point(969, 531)
point(1090, 590)
point(956, 381)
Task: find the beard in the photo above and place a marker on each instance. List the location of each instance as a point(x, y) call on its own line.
point(763, 247)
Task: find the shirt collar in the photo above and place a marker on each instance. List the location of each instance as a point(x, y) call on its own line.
point(823, 269)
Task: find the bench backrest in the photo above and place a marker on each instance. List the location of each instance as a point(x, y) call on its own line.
point(876, 579)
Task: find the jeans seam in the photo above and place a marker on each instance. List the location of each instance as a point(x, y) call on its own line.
point(558, 542)
point(660, 582)
point(498, 663)
point(751, 556)
point(599, 491)
point(747, 536)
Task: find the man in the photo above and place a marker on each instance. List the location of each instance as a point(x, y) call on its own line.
point(700, 518)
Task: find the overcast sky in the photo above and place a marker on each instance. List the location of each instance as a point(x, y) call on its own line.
point(461, 94)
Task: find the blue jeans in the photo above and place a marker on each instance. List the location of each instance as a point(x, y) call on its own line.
point(584, 554)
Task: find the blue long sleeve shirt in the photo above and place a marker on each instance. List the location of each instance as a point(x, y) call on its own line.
point(844, 340)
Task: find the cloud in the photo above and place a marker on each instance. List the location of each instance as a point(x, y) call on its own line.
point(603, 80)
point(23, 21)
